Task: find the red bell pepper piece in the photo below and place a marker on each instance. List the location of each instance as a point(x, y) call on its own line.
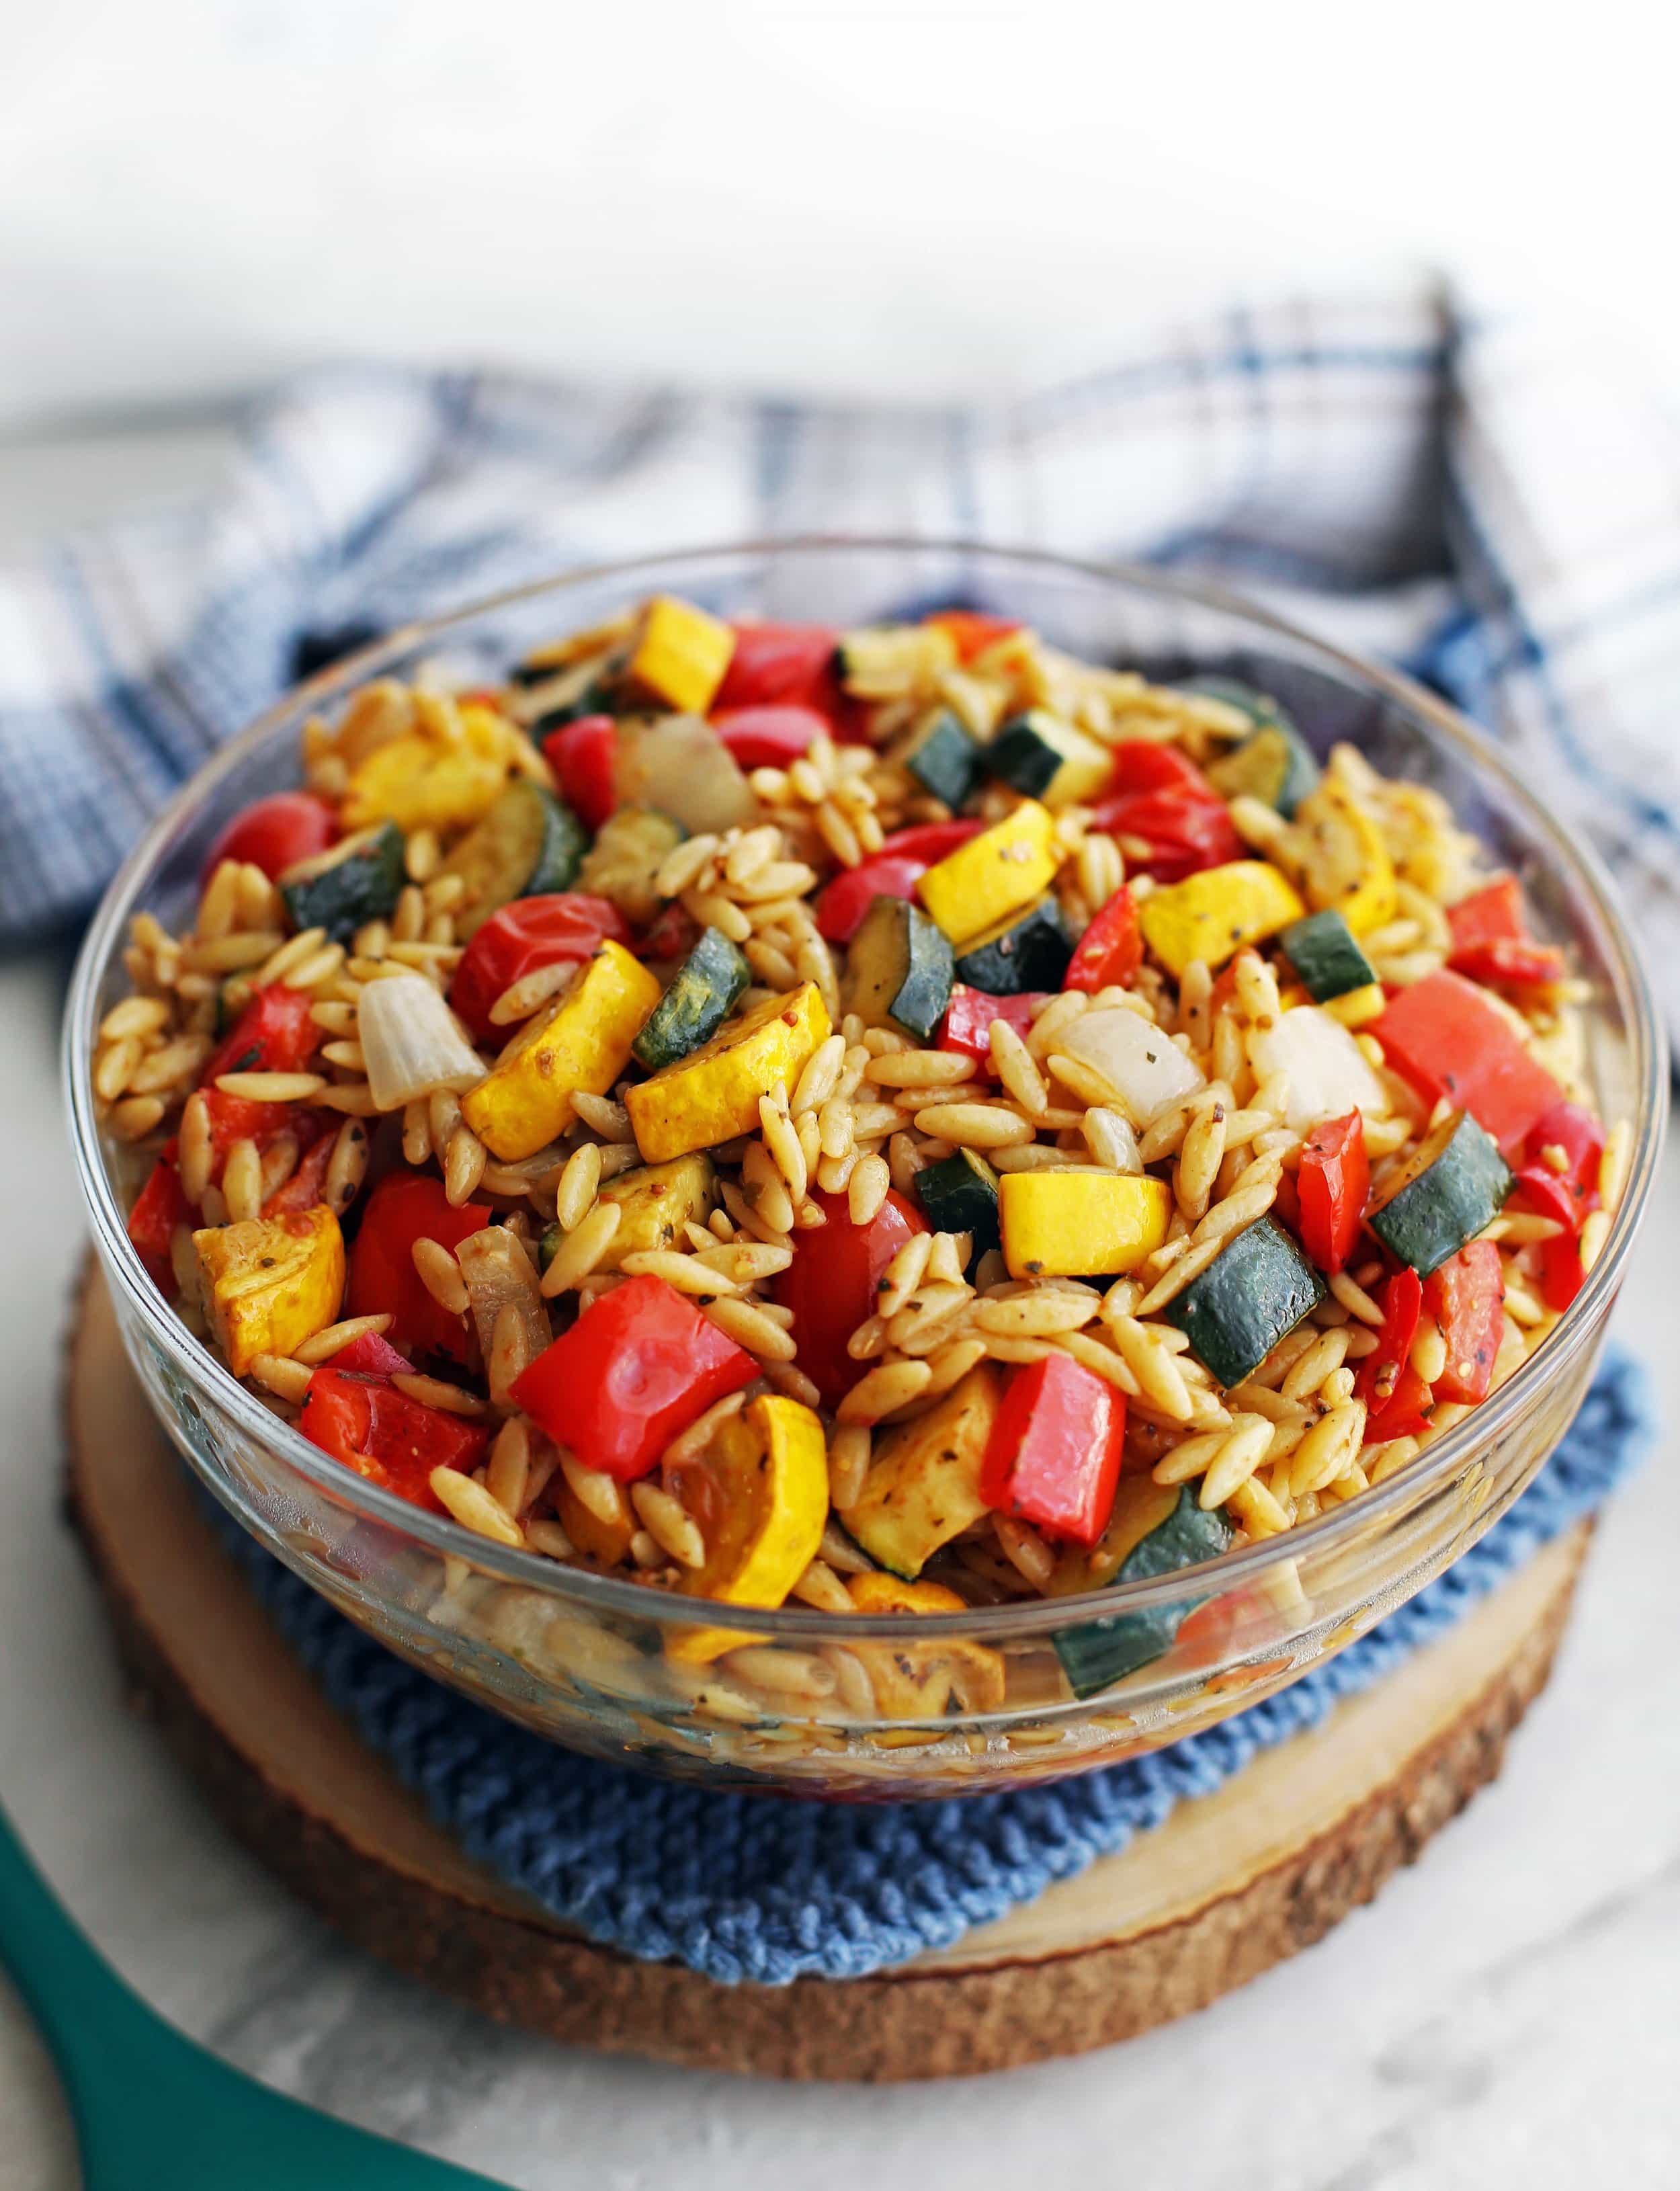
point(1111, 950)
point(1054, 1455)
point(631, 1374)
point(274, 833)
point(791, 663)
point(893, 872)
point(1332, 1183)
point(274, 1034)
point(830, 1284)
point(530, 933)
point(160, 1206)
point(382, 1435)
point(371, 1357)
point(1380, 1373)
point(1571, 1194)
point(583, 755)
point(967, 1024)
point(1491, 941)
point(406, 1207)
point(303, 1190)
point(1561, 1274)
point(971, 631)
point(1443, 1036)
point(1405, 1413)
point(1162, 798)
point(1466, 1298)
point(772, 736)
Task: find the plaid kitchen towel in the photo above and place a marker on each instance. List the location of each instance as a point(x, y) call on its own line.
point(1488, 504)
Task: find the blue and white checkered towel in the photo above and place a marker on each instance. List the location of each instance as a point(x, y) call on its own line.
point(1489, 505)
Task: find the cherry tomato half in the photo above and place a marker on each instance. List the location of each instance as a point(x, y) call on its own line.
point(830, 1285)
point(275, 833)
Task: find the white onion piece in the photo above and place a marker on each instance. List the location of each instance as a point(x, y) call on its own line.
point(411, 1042)
point(1327, 1074)
point(498, 1274)
point(681, 766)
point(1144, 1068)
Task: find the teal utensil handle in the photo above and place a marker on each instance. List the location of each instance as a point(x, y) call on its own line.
point(82, 2006)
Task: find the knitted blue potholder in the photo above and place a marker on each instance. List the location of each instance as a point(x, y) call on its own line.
point(741, 1888)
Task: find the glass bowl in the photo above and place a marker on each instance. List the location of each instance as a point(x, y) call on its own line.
point(583, 1658)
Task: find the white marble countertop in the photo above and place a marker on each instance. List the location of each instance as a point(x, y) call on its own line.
point(1508, 2012)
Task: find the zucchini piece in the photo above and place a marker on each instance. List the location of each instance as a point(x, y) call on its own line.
point(1326, 956)
point(1048, 759)
point(1025, 950)
point(887, 662)
point(654, 1203)
point(355, 882)
point(1155, 1529)
point(630, 847)
point(942, 756)
point(923, 1487)
point(701, 996)
point(960, 1194)
point(530, 842)
point(994, 875)
point(713, 1094)
point(1231, 693)
point(1259, 1288)
point(1272, 764)
point(898, 967)
point(1444, 1194)
point(1082, 1222)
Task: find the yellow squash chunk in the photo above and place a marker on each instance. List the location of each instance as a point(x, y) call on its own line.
point(713, 1094)
point(1211, 915)
point(1356, 1008)
point(923, 1487)
point(420, 784)
point(770, 1469)
point(919, 1681)
point(681, 654)
point(1343, 861)
point(1081, 1223)
point(655, 1203)
point(270, 1283)
point(994, 875)
point(581, 1045)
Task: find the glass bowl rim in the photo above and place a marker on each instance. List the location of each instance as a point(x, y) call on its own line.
point(602, 1594)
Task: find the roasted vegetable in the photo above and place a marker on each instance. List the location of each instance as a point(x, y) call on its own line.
point(1146, 1069)
point(628, 853)
point(1028, 951)
point(1212, 915)
point(532, 932)
point(713, 1094)
point(1054, 1456)
point(1040, 754)
point(1326, 957)
point(942, 756)
point(830, 1284)
point(1081, 1222)
point(420, 782)
point(769, 1471)
point(1154, 1529)
point(923, 1487)
point(1327, 1072)
point(1445, 1037)
point(384, 1437)
point(530, 843)
point(1272, 763)
point(410, 1043)
point(654, 1204)
point(1234, 1312)
point(1452, 1185)
point(921, 1680)
point(581, 1044)
point(358, 880)
point(960, 1194)
point(403, 1208)
point(898, 969)
point(681, 764)
point(680, 654)
point(1331, 1186)
point(1343, 861)
point(979, 885)
point(1111, 950)
point(699, 999)
point(270, 1283)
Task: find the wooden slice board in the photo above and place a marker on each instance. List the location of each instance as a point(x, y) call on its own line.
point(1229, 1886)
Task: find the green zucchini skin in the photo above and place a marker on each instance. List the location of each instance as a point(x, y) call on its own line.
point(899, 967)
point(1272, 764)
point(1462, 1189)
point(1022, 756)
point(1028, 951)
point(363, 886)
point(1325, 954)
point(1094, 1657)
point(529, 842)
point(960, 1194)
point(1256, 1289)
point(700, 998)
point(943, 759)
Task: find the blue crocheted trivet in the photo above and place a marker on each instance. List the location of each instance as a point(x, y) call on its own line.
point(739, 1888)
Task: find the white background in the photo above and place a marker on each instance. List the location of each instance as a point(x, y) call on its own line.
point(881, 194)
